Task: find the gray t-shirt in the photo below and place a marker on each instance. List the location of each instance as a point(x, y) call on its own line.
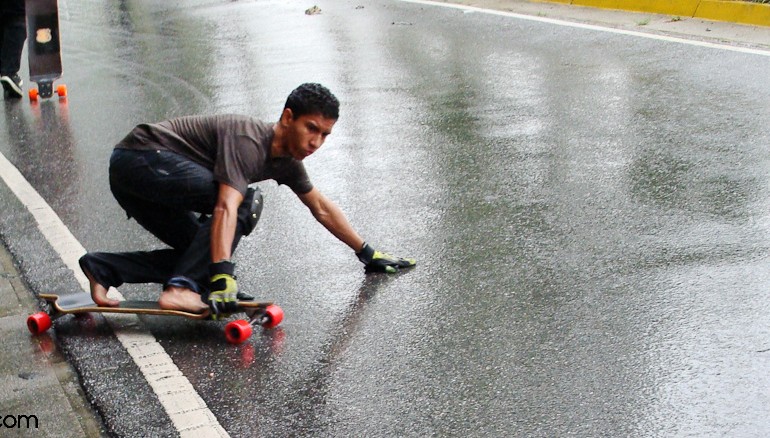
point(235, 148)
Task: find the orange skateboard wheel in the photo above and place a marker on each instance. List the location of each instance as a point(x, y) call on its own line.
point(236, 332)
point(274, 316)
point(33, 93)
point(38, 323)
point(61, 90)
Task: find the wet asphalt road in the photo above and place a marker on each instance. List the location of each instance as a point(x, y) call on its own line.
point(590, 213)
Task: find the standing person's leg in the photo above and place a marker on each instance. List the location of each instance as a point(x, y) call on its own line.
point(3, 25)
point(14, 33)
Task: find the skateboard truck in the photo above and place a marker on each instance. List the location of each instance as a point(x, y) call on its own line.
point(45, 90)
point(239, 330)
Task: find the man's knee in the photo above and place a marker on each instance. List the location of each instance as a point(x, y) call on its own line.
point(250, 210)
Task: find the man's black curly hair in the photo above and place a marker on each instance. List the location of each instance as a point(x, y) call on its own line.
point(312, 98)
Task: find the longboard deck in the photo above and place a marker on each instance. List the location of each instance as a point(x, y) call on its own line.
point(82, 303)
point(44, 48)
point(44, 42)
point(265, 314)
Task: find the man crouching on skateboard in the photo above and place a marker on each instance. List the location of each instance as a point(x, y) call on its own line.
point(186, 181)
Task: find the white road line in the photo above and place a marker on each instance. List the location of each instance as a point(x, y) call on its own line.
point(592, 27)
point(187, 410)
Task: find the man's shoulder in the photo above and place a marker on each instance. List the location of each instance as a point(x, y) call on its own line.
point(242, 118)
point(222, 120)
point(243, 124)
point(220, 128)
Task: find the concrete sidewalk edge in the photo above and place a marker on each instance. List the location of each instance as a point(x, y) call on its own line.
point(43, 384)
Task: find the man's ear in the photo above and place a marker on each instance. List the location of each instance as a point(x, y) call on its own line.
point(287, 116)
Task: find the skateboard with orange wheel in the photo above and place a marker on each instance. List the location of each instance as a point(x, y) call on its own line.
point(265, 314)
point(44, 48)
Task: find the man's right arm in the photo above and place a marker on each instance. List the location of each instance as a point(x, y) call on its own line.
point(330, 216)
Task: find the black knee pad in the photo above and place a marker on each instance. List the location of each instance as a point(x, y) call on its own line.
point(250, 210)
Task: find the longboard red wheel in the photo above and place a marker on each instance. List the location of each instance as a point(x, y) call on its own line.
point(33, 93)
point(38, 323)
point(237, 331)
point(274, 316)
point(61, 90)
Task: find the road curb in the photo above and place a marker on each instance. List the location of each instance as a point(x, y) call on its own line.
point(733, 11)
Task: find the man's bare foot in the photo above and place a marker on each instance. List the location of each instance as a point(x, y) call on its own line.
point(180, 298)
point(99, 293)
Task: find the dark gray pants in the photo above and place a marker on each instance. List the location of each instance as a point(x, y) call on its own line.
point(13, 31)
point(172, 197)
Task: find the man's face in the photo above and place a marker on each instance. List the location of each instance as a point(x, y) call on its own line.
point(306, 134)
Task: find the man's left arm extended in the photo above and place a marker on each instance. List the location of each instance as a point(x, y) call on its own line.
point(328, 214)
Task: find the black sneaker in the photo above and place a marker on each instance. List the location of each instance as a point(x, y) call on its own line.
point(12, 85)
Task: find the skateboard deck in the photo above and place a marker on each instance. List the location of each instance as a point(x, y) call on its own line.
point(263, 313)
point(44, 47)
